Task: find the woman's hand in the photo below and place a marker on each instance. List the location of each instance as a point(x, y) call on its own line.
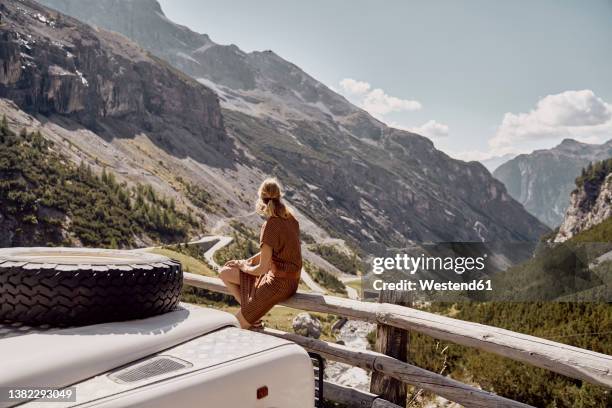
point(265, 262)
point(236, 263)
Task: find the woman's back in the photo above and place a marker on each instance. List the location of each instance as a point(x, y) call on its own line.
point(283, 235)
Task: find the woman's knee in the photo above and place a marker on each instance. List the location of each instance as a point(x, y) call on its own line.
point(230, 274)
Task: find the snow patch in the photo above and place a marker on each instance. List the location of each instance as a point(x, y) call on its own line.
point(44, 19)
point(480, 229)
point(83, 79)
point(188, 57)
point(349, 220)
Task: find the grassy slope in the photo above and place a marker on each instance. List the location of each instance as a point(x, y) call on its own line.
point(49, 201)
point(190, 264)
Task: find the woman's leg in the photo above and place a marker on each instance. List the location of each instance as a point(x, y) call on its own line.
point(231, 277)
point(269, 292)
point(243, 322)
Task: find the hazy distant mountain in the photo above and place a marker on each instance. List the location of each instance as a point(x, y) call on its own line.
point(543, 180)
point(347, 172)
point(494, 162)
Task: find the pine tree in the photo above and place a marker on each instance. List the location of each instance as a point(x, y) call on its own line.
point(38, 141)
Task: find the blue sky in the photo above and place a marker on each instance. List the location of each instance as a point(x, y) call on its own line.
point(480, 78)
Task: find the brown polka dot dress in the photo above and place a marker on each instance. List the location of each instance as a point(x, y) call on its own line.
point(259, 294)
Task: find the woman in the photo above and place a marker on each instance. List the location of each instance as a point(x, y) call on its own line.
point(272, 275)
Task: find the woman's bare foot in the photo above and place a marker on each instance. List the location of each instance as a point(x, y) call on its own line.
point(243, 322)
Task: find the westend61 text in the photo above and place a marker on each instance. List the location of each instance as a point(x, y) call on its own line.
point(429, 284)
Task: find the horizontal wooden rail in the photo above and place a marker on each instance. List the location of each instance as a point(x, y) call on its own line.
point(456, 391)
point(574, 362)
point(353, 397)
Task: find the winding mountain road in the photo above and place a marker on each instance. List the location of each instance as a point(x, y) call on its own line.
point(224, 240)
point(209, 255)
point(312, 285)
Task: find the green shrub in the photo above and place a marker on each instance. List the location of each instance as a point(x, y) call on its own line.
point(342, 261)
point(240, 248)
point(324, 278)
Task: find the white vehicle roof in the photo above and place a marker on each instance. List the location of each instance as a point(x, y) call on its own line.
point(59, 357)
point(220, 369)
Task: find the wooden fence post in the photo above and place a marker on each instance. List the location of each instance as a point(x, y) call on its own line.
point(393, 342)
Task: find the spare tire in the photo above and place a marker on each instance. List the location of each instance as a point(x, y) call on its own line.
point(76, 286)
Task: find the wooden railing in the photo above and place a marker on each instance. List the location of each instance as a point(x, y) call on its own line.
point(574, 362)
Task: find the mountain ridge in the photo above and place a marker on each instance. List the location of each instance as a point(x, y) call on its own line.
point(346, 171)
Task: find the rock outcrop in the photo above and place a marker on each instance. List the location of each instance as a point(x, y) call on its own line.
point(543, 180)
point(590, 203)
point(55, 65)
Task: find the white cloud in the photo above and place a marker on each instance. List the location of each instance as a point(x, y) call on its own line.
point(354, 87)
point(376, 101)
point(573, 108)
point(431, 129)
point(571, 114)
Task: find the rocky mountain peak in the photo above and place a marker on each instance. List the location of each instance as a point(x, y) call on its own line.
point(567, 142)
point(543, 180)
point(141, 20)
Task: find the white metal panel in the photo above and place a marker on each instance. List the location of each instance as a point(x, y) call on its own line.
point(227, 367)
point(57, 358)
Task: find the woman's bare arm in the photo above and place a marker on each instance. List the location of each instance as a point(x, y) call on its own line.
point(254, 260)
point(265, 262)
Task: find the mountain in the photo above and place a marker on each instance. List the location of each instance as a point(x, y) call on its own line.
point(543, 180)
point(494, 162)
point(120, 106)
point(591, 201)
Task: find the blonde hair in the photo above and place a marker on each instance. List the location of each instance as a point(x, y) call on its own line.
point(270, 200)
